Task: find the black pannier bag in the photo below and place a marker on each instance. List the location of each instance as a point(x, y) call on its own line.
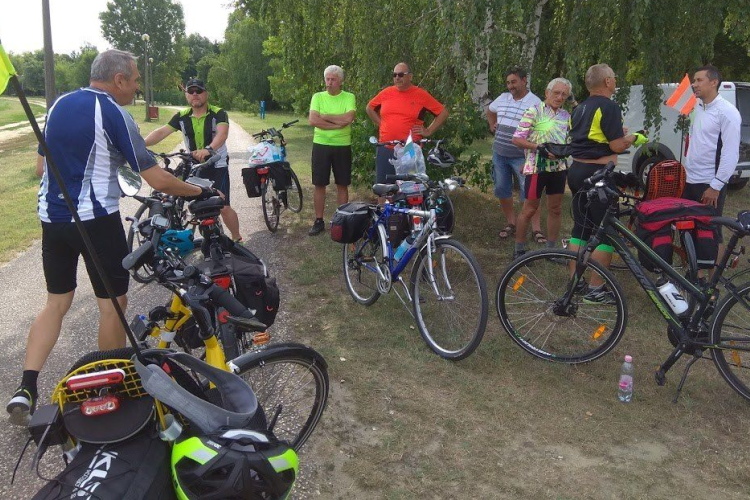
point(251, 180)
point(350, 221)
point(654, 221)
point(398, 228)
point(280, 173)
point(256, 290)
point(135, 469)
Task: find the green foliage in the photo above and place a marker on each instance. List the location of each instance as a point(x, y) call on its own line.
point(198, 48)
point(451, 46)
point(238, 77)
point(126, 21)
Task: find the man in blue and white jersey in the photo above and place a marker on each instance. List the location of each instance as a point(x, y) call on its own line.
point(89, 136)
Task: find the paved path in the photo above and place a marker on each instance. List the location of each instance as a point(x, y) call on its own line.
point(22, 292)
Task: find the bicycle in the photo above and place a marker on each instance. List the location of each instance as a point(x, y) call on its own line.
point(268, 162)
point(436, 194)
point(539, 299)
point(290, 380)
point(444, 274)
point(174, 208)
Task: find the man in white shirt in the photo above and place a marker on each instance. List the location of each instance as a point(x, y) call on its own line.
point(503, 116)
point(714, 147)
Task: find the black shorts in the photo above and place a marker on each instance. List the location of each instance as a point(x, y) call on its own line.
point(220, 178)
point(695, 192)
point(326, 158)
point(383, 166)
point(62, 244)
point(587, 214)
point(550, 182)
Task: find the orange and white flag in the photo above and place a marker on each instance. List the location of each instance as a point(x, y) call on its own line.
point(683, 99)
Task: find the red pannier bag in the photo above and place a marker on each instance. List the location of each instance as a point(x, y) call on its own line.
point(654, 220)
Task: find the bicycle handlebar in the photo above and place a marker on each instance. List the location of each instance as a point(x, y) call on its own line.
point(272, 132)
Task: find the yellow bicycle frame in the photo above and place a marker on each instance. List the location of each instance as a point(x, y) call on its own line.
point(178, 315)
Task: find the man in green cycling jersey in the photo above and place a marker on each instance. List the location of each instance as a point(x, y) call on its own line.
point(205, 129)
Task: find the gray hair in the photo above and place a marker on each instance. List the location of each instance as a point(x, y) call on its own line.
point(564, 81)
point(596, 75)
point(110, 62)
point(336, 70)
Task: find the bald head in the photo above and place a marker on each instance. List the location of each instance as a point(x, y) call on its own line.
point(599, 77)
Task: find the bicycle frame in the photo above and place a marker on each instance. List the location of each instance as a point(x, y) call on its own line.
point(614, 232)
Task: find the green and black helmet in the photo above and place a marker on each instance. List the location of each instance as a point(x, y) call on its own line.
point(237, 464)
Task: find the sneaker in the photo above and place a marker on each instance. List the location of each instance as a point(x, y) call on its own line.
point(599, 295)
point(318, 227)
point(21, 406)
point(581, 287)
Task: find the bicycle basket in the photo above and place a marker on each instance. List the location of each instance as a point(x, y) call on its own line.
point(665, 179)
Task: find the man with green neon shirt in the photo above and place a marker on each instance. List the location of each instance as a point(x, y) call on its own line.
point(331, 113)
point(205, 129)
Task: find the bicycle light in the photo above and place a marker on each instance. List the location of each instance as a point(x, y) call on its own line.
point(94, 380)
point(100, 406)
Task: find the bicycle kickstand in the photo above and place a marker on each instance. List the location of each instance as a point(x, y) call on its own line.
point(698, 355)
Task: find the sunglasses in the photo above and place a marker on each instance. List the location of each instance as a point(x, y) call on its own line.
point(400, 74)
point(194, 91)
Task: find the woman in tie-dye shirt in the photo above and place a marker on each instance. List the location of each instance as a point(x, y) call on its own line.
point(547, 122)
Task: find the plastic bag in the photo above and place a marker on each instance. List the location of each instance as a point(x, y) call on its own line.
point(409, 158)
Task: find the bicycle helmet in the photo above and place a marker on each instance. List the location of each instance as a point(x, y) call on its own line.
point(177, 239)
point(440, 158)
point(236, 464)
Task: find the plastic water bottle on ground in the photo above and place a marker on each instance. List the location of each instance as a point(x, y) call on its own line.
point(625, 392)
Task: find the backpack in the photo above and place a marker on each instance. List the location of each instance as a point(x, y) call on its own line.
point(350, 222)
point(134, 469)
point(653, 225)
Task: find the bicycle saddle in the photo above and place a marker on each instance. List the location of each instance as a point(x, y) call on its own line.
point(384, 189)
point(207, 208)
point(238, 401)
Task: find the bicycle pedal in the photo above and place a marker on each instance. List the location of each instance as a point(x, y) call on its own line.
point(261, 338)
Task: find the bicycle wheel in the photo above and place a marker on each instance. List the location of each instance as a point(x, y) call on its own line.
point(291, 384)
point(528, 302)
point(361, 260)
point(294, 195)
point(451, 311)
point(144, 274)
point(730, 334)
point(270, 207)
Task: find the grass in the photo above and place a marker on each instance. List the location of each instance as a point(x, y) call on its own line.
point(403, 423)
point(12, 112)
point(19, 223)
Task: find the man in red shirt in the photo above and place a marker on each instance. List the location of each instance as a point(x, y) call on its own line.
point(398, 110)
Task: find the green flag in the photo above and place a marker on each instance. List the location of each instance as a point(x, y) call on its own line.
point(6, 69)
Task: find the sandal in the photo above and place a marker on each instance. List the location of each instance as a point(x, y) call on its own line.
point(539, 237)
point(507, 231)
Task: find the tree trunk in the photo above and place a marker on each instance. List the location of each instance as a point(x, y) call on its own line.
point(480, 93)
point(528, 52)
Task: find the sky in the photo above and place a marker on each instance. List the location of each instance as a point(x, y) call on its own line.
point(75, 22)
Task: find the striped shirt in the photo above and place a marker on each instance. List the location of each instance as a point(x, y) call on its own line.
point(90, 136)
point(509, 113)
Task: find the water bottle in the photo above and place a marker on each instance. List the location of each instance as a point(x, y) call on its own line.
point(671, 295)
point(402, 248)
point(626, 380)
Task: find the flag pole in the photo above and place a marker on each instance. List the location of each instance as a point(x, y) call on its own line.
point(81, 228)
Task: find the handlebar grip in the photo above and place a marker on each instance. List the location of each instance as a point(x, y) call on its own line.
point(289, 124)
point(201, 315)
point(730, 223)
point(155, 208)
point(226, 300)
point(397, 177)
point(138, 257)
